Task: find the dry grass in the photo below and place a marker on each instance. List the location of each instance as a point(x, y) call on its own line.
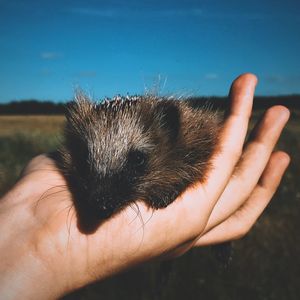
point(10, 125)
point(21, 138)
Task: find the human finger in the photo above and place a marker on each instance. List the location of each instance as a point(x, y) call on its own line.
point(232, 138)
point(239, 223)
point(252, 164)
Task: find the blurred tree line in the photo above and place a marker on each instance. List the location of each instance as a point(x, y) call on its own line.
point(36, 107)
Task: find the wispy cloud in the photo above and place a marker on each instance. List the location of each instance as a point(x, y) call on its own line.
point(45, 72)
point(180, 12)
point(211, 76)
point(118, 13)
point(199, 12)
point(86, 74)
point(48, 55)
point(87, 11)
point(233, 16)
point(249, 16)
point(276, 79)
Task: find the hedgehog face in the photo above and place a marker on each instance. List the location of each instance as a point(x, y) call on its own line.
point(105, 155)
point(133, 149)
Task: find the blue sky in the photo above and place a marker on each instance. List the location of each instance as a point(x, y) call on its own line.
point(49, 48)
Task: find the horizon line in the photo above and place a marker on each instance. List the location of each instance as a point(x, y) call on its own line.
point(193, 96)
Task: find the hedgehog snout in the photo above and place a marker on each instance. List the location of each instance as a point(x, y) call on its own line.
point(109, 195)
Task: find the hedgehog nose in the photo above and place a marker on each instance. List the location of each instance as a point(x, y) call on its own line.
point(100, 205)
point(106, 207)
point(105, 212)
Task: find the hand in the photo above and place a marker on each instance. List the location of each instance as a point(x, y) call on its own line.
point(41, 243)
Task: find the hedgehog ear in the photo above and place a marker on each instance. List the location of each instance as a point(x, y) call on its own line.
point(169, 118)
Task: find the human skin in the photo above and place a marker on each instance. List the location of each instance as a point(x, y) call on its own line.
point(45, 255)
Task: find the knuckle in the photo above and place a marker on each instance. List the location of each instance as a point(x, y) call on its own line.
point(263, 149)
point(234, 152)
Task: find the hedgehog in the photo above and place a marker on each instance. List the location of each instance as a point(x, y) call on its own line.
point(133, 148)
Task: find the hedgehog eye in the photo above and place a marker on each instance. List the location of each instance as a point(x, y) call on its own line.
point(137, 158)
point(140, 159)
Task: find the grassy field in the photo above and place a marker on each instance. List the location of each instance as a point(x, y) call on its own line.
point(21, 138)
point(266, 263)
